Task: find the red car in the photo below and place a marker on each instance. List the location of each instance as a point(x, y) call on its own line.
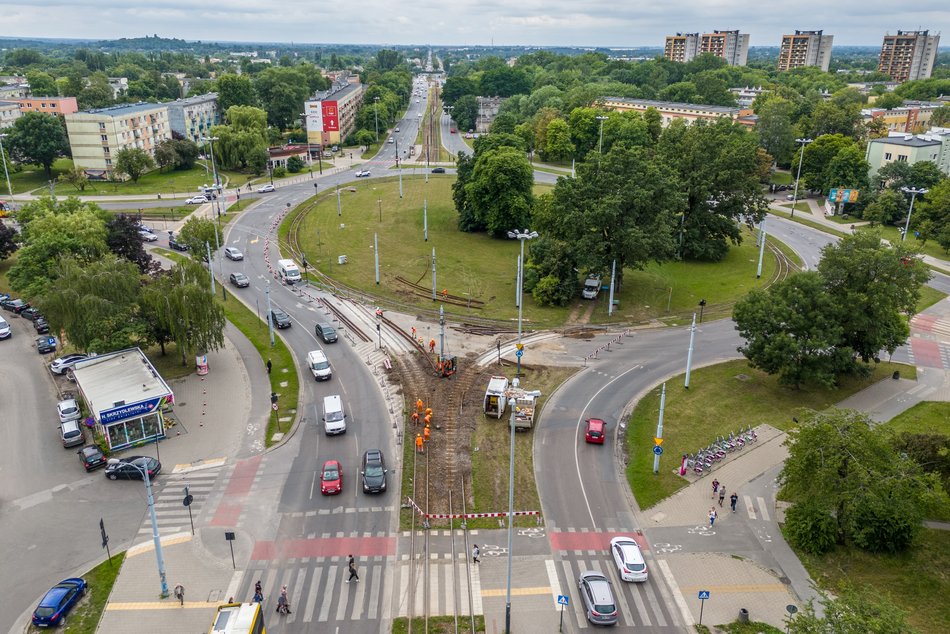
point(331, 480)
point(596, 431)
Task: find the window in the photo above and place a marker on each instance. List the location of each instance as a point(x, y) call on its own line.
point(902, 158)
point(103, 137)
point(109, 161)
point(887, 156)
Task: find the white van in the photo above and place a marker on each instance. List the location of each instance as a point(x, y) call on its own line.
point(319, 365)
point(288, 271)
point(334, 419)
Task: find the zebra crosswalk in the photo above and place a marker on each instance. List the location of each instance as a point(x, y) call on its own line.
point(171, 513)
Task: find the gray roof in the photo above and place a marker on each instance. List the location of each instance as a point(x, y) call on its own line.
point(124, 109)
point(118, 378)
point(911, 142)
point(187, 101)
point(666, 105)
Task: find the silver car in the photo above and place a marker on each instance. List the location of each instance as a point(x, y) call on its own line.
point(629, 559)
point(599, 605)
point(233, 253)
point(68, 410)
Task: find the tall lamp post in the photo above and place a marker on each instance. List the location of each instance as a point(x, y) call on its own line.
point(600, 144)
point(517, 234)
point(307, 134)
point(511, 505)
point(3, 159)
point(801, 156)
point(214, 169)
point(376, 117)
point(156, 538)
point(913, 194)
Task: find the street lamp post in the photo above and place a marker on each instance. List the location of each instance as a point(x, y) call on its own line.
point(307, 134)
point(600, 145)
point(3, 159)
point(156, 538)
point(801, 156)
point(376, 117)
point(511, 503)
point(521, 236)
point(913, 194)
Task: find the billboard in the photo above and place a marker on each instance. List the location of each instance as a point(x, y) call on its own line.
point(314, 121)
point(838, 195)
point(331, 117)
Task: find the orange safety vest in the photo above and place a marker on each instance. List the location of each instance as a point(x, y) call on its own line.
point(426, 433)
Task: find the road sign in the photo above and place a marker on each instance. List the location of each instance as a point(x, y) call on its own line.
point(704, 594)
point(518, 353)
point(563, 600)
point(51, 341)
point(658, 450)
point(657, 441)
point(274, 407)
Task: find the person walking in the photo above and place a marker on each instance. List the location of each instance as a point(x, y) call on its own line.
point(269, 365)
point(722, 494)
point(732, 501)
point(351, 565)
point(283, 603)
point(712, 516)
point(258, 592)
point(715, 486)
point(180, 594)
point(475, 553)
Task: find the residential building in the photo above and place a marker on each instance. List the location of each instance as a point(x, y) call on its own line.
point(681, 47)
point(9, 112)
point(933, 146)
point(912, 117)
point(331, 115)
point(670, 111)
point(908, 55)
point(193, 117)
point(732, 46)
point(14, 91)
point(119, 86)
point(805, 48)
point(49, 105)
point(487, 111)
point(95, 136)
point(745, 96)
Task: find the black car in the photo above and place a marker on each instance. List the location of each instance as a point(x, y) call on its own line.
point(91, 457)
point(31, 313)
point(280, 319)
point(373, 471)
point(41, 326)
point(438, 170)
point(240, 280)
point(14, 305)
point(45, 344)
point(176, 245)
point(131, 468)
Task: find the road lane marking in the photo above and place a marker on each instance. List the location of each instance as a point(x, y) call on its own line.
point(678, 597)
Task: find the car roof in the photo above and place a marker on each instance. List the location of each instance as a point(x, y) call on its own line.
point(595, 422)
point(332, 464)
point(90, 449)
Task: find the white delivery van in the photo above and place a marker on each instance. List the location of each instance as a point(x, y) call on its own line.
point(495, 400)
point(591, 287)
point(288, 271)
point(334, 419)
point(319, 365)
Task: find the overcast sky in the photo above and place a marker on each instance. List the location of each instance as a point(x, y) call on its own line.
point(612, 23)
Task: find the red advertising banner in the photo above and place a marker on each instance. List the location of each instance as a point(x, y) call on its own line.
point(331, 117)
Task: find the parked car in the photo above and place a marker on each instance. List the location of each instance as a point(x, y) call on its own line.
point(373, 471)
point(71, 433)
point(68, 409)
point(452, 130)
point(31, 313)
point(147, 236)
point(200, 199)
point(240, 280)
point(331, 478)
point(60, 365)
point(14, 305)
point(5, 332)
point(232, 253)
point(438, 170)
point(629, 559)
point(266, 189)
point(280, 319)
point(176, 245)
point(596, 431)
point(58, 601)
point(45, 345)
point(131, 468)
point(40, 325)
point(91, 457)
point(599, 605)
point(362, 173)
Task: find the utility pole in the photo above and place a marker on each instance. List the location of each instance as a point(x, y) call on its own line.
point(762, 236)
point(441, 332)
point(659, 431)
point(425, 219)
point(433, 274)
point(689, 353)
point(339, 205)
point(613, 278)
point(376, 117)
point(521, 236)
point(270, 322)
point(913, 194)
point(801, 156)
point(376, 253)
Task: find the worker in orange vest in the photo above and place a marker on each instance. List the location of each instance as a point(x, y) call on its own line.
point(415, 419)
point(431, 345)
point(419, 405)
point(445, 293)
point(427, 420)
point(426, 433)
point(413, 333)
point(419, 448)
point(429, 411)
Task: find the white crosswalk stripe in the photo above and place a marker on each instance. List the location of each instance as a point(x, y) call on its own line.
point(171, 515)
point(449, 583)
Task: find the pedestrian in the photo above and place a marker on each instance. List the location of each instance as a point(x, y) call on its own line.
point(722, 494)
point(715, 485)
point(351, 565)
point(269, 365)
point(732, 500)
point(230, 599)
point(413, 333)
point(283, 603)
point(475, 553)
point(712, 516)
point(180, 594)
point(431, 345)
point(419, 405)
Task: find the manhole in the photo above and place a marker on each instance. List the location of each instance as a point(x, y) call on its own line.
point(743, 377)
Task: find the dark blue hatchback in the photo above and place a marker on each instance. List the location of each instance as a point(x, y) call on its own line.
point(58, 602)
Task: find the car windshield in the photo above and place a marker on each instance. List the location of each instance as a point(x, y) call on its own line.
point(333, 417)
point(44, 612)
point(330, 473)
point(321, 365)
point(374, 470)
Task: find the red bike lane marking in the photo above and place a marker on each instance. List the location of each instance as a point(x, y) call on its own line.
point(591, 540)
point(923, 323)
point(267, 550)
point(926, 353)
point(239, 485)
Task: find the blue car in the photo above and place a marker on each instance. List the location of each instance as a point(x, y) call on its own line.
point(58, 602)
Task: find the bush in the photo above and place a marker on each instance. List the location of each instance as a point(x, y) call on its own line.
point(280, 171)
point(810, 528)
point(295, 164)
point(882, 524)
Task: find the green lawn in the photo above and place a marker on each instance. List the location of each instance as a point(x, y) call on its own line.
point(476, 266)
point(85, 617)
point(31, 177)
point(711, 407)
point(929, 417)
point(155, 182)
point(806, 220)
point(928, 297)
point(892, 234)
point(916, 581)
point(781, 178)
point(438, 624)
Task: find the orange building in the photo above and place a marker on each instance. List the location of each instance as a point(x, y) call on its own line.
point(49, 105)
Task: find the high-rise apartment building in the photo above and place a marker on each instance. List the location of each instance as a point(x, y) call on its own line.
point(193, 117)
point(96, 136)
point(805, 48)
point(732, 46)
point(681, 47)
point(908, 55)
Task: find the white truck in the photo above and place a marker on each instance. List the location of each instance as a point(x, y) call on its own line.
point(495, 401)
point(288, 271)
point(591, 287)
point(524, 404)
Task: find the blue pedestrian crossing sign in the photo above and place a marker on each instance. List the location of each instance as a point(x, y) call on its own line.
point(563, 600)
point(658, 450)
point(703, 594)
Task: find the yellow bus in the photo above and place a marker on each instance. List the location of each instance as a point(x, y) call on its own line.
point(239, 618)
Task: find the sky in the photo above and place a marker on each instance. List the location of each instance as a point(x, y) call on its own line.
point(605, 23)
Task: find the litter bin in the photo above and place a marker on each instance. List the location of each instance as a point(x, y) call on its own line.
point(743, 615)
point(897, 375)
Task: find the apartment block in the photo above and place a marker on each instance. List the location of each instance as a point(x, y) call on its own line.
point(805, 48)
point(193, 117)
point(9, 92)
point(331, 115)
point(95, 136)
point(912, 117)
point(908, 55)
point(933, 146)
point(681, 47)
point(9, 112)
point(671, 111)
point(49, 105)
point(732, 46)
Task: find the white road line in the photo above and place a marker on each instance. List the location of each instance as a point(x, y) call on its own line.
point(677, 595)
point(655, 604)
point(576, 601)
point(749, 507)
point(476, 589)
point(345, 592)
point(763, 508)
point(312, 594)
point(641, 606)
point(361, 593)
point(236, 580)
point(619, 585)
point(328, 597)
point(297, 591)
point(553, 580)
point(434, 589)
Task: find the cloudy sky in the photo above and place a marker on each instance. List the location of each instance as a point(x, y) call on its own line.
point(615, 23)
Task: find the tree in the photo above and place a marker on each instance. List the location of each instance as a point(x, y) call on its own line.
point(8, 241)
point(889, 101)
point(95, 303)
point(38, 138)
point(504, 81)
point(456, 87)
point(848, 169)
point(165, 154)
point(941, 116)
point(76, 177)
point(876, 287)
point(851, 612)
point(282, 92)
point(818, 157)
point(854, 474)
point(41, 84)
point(133, 162)
point(775, 130)
point(790, 329)
point(886, 208)
point(935, 210)
point(234, 90)
point(196, 233)
point(499, 191)
point(295, 164)
point(124, 241)
point(558, 146)
point(387, 59)
point(465, 112)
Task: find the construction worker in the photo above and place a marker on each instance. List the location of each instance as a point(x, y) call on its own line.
point(438, 367)
point(431, 345)
point(426, 433)
point(445, 293)
point(419, 405)
point(415, 418)
point(427, 420)
point(413, 333)
point(429, 411)
point(419, 448)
